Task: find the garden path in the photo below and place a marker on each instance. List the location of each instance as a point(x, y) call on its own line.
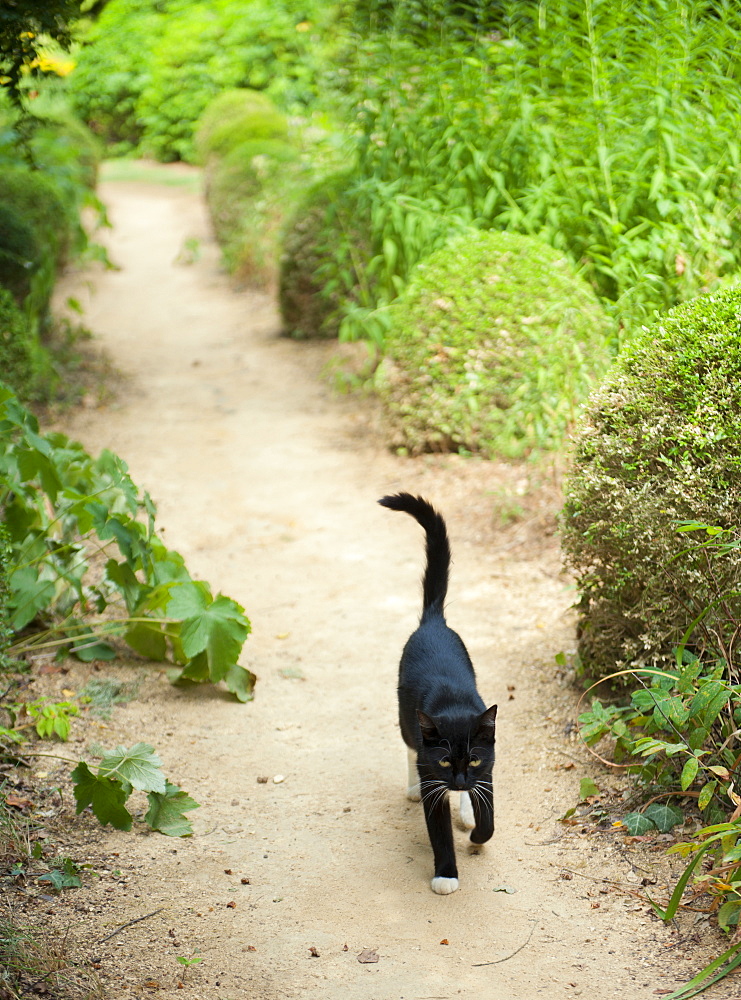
point(266, 482)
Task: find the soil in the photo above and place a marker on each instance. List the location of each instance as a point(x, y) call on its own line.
point(266, 480)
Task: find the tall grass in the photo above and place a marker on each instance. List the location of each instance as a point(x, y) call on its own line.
point(609, 129)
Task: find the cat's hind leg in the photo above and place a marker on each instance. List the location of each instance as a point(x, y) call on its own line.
point(414, 792)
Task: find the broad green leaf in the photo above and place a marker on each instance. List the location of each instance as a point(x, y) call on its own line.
point(166, 809)
point(30, 594)
point(240, 682)
point(706, 794)
point(728, 914)
point(105, 796)
point(663, 817)
point(87, 648)
point(637, 824)
point(140, 767)
point(219, 629)
point(689, 773)
point(148, 640)
point(587, 787)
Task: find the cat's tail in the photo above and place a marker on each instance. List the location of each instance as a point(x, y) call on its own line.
point(435, 581)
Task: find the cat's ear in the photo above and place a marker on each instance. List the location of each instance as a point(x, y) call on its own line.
point(428, 727)
point(487, 724)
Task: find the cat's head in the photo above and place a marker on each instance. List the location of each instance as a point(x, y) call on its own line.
point(456, 751)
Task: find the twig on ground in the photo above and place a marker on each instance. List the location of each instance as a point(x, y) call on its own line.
point(479, 965)
point(124, 926)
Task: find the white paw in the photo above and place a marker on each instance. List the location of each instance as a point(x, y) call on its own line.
point(468, 821)
point(444, 886)
point(414, 794)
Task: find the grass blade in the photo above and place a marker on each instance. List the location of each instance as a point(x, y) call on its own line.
point(697, 984)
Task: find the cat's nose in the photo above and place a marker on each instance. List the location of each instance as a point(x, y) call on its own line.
point(460, 781)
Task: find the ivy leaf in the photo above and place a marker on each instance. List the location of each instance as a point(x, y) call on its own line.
point(637, 824)
point(61, 879)
point(140, 767)
point(663, 817)
point(166, 810)
point(105, 796)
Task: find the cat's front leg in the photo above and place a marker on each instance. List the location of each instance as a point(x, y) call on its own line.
point(482, 800)
point(414, 792)
point(440, 831)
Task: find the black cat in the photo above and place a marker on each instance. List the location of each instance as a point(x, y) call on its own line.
point(445, 724)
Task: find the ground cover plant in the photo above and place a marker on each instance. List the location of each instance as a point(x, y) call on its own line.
point(84, 546)
point(491, 348)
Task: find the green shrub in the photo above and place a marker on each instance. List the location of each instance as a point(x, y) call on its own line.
point(69, 153)
point(602, 133)
point(326, 248)
point(236, 116)
point(19, 253)
point(36, 199)
point(111, 73)
point(17, 347)
point(249, 192)
point(6, 633)
point(660, 444)
point(211, 46)
point(492, 348)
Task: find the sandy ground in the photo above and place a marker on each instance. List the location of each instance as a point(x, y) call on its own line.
point(266, 481)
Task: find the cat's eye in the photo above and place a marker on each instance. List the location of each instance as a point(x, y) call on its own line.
point(444, 763)
point(474, 762)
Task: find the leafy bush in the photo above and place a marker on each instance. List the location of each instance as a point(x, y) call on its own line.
point(196, 50)
point(236, 116)
point(602, 133)
point(109, 77)
point(660, 444)
point(326, 248)
point(36, 199)
point(17, 347)
point(65, 512)
point(249, 192)
point(491, 348)
point(19, 253)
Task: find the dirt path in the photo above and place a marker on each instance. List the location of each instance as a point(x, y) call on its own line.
point(267, 484)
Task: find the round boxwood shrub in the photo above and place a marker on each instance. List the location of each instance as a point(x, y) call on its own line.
point(236, 116)
point(19, 253)
point(492, 347)
point(37, 200)
point(17, 368)
point(326, 247)
point(660, 443)
point(247, 191)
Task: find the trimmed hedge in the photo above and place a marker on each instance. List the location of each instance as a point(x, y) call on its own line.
point(19, 253)
point(17, 347)
point(234, 117)
point(492, 347)
point(660, 443)
point(248, 191)
point(326, 241)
